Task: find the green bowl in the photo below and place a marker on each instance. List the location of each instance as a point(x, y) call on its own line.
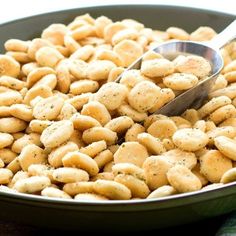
point(118, 215)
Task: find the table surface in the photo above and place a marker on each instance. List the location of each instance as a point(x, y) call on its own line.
point(25, 8)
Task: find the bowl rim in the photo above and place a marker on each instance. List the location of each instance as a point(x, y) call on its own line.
point(163, 202)
point(163, 6)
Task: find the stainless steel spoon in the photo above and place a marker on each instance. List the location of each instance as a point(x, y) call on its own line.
point(194, 97)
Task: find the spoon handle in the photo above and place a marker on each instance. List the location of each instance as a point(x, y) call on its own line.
point(224, 37)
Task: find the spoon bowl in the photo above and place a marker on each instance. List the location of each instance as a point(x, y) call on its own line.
point(194, 97)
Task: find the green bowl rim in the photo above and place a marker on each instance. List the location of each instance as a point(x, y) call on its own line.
point(163, 6)
point(172, 198)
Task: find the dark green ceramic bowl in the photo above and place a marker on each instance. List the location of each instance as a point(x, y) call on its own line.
point(118, 215)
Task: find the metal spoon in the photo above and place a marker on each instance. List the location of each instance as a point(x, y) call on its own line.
point(194, 97)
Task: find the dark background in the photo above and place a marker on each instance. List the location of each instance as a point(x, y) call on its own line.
point(202, 228)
